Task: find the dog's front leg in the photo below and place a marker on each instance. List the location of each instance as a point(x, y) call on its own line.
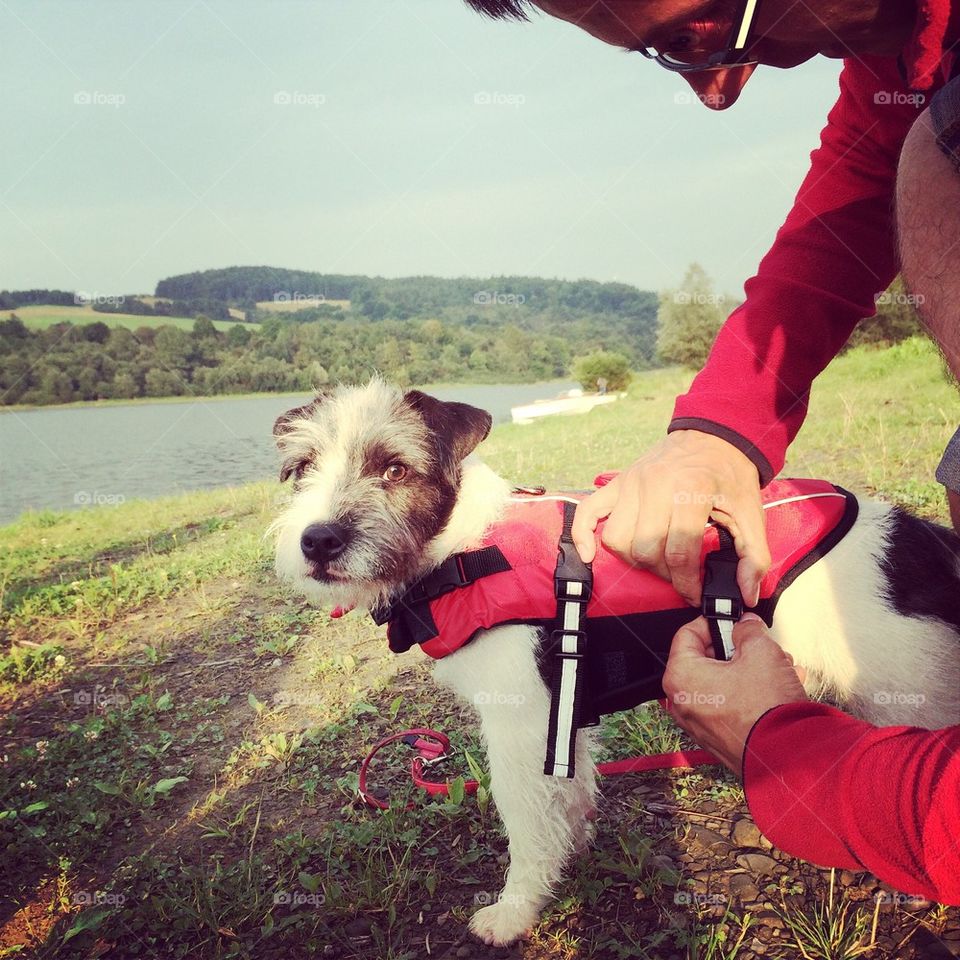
point(546, 818)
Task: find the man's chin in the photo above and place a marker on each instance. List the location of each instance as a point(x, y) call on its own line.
point(790, 59)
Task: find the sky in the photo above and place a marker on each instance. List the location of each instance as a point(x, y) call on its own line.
point(380, 137)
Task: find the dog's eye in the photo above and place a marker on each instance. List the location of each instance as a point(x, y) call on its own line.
point(395, 472)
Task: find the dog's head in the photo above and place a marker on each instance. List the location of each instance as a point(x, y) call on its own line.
point(375, 475)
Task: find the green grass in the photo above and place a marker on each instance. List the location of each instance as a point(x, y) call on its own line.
point(40, 316)
point(180, 738)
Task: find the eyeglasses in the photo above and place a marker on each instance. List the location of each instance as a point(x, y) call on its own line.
point(735, 54)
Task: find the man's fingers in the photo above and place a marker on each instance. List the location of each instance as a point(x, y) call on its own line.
point(750, 625)
point(590, 512)
point(747, 525)
point(684, 546)
point(751, 636)
point(692, 640)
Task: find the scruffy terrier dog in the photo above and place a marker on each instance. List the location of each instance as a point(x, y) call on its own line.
point(385, 490)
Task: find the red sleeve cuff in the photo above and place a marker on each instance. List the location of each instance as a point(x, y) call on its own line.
point(738, 440)
point(789, 778)
point(842, 793)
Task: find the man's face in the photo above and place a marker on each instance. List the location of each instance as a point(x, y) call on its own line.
point(784, 35)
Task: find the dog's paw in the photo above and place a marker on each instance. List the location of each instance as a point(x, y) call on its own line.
point(503, 922)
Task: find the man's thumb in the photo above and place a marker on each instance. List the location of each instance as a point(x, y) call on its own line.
point(589, 513)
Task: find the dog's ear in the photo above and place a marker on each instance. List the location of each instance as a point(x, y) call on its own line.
point(283, 425)
point(457, 427)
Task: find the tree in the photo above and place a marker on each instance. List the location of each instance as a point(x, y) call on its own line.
point(174, 349)
point(895, 320)
point(14, 327)
point(163, 383)
point(613, 367)
point(689, 319)
point(238, 336)
point(203, 328)
point(97, 332)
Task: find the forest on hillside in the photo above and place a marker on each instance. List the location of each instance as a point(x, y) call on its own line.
point(413, 330)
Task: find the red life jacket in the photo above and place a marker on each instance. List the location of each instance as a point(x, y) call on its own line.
point(632, 615)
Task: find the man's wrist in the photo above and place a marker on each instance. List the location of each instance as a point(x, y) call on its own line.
point(749, 449)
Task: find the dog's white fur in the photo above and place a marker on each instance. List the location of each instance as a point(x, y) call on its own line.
point(885, 667)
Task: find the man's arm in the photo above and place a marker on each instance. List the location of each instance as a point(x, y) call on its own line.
point(820, 784)
point(840, 792)
point(830, 259)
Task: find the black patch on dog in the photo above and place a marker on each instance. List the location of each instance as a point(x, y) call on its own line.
point(284, 424)
point(922, 569)
point(456, 428)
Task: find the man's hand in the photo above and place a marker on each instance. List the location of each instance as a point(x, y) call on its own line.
point(656, 511)
point(718, 702)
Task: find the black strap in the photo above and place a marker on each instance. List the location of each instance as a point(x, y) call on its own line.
point(459, 570)
point(722, 603)
point(572, 583)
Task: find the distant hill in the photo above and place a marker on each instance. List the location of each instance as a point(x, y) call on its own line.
point(410, 296)
point(586, 313)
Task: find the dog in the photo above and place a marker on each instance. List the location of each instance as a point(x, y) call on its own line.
point(386, 486)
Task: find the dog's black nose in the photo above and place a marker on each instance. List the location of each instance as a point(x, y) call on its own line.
point(321, 542)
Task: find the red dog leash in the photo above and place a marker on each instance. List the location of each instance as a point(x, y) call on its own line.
point(432, 746)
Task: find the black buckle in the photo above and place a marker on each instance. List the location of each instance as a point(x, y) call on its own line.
point(720, 583)
point(571, 569)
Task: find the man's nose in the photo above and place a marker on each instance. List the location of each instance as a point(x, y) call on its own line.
point(719, 89)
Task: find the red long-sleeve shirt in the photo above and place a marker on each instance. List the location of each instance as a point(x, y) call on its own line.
point(820, 784)
point(842, 793)
point(831, 258)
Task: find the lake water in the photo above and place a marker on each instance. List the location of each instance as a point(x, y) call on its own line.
point(70, 458)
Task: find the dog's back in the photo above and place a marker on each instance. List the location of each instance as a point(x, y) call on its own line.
point(877, 621)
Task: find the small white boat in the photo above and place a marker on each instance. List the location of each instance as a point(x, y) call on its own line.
point(573, 401)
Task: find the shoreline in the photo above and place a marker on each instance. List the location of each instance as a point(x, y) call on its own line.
point(141, 401)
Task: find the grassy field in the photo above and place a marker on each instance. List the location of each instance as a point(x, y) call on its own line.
point(40, 317)
point(180, 739)
point(299, 302)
